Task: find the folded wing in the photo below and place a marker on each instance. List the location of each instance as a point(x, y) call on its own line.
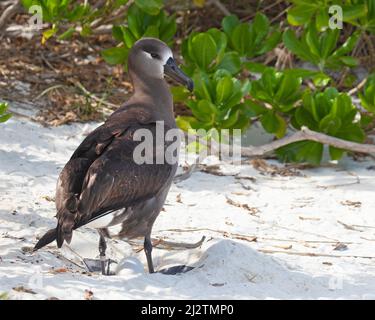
point(102, 177)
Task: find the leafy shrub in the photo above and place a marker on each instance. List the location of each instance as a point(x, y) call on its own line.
point(145, 18)
point(272, 95)
point(217, 102)
point(208, 52)
point(329, 112)
point(139, 24)
point(251, 39)
point(357, 12)
point(321, 49)
point(212, 58)
point(77, 16)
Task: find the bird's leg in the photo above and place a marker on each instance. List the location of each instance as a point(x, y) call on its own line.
point(148, 249)
point(95, 265)
point(171, 271)
point(102, 249)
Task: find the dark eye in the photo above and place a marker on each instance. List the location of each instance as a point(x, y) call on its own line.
point(155, 55)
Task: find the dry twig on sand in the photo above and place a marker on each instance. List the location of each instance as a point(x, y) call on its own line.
point(261, 151)
point(304, 134)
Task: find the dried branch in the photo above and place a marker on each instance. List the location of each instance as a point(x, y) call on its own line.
point(302, 135)
point(165, 244)
point(307, 134)
point(358, 87)
point(260, 151)
point(168, 245)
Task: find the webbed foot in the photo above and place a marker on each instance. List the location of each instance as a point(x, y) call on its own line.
point(102, 266)
point(176, 270)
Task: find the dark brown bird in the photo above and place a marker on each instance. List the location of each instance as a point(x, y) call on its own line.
point(102, 185)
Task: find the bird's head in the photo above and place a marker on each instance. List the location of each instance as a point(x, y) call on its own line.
point(154, 59)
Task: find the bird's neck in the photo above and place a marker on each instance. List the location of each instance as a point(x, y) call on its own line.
point(154, 93)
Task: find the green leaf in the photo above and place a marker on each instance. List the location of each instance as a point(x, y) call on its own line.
point(304, 118)
point(255, 109)
point(67, 34)
point(300, 14)
point(312, 39)
point(280, 132)
point(135, 26)
point(168, 27)
point(5, 117)
point(242, 123)
point(320, 79)
point(203, 50)
point(152, 31)
point(335, 153)
point(256, 67)
point(203, 87)
point(353, 11)
point(269, 122)
point(229, 23)
point(287, 88)
point(224, 89)
point(261, 27)
point(328, 42)
point(322, 19)
point(273, 123)
point(242, 38)
point(352, 132)
point(116, 55)
point(366, 120)
point(368, 98)
point(151, 7)
point(234, 99)
point(302, 151)
point(231, 61)
point(184, 122)
point(129, 39)
point(180, 94)
point(220, 39)
point(205, 111)
point(349, 61)
point(330, 124)
point(298, 48)
point(270, 43)
point(118, 33)
point(348, 45)
point(231, 120)
point(48, 34)
point(308, 102)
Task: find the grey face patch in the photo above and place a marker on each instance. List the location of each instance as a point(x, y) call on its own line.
point(155, 59)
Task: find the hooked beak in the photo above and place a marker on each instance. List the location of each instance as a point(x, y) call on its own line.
point(172, 70)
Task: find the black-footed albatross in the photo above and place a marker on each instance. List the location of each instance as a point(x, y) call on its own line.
point(102, 185)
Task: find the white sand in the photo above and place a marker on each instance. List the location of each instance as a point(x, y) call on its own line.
point(297, 215)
